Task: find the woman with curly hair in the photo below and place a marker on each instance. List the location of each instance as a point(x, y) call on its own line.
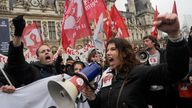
point(127, 82)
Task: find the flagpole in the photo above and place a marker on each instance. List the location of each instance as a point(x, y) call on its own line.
point(5, 75)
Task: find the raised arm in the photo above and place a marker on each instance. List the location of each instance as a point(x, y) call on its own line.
point(177, 48)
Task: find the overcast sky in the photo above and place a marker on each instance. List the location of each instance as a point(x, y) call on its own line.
point(184, 7)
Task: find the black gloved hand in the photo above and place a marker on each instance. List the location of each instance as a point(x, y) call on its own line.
point(19, 24)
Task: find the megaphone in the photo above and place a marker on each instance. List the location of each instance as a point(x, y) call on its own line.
point(64, 93)
point(142, 56)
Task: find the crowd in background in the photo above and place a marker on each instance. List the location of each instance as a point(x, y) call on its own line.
point(121, 56)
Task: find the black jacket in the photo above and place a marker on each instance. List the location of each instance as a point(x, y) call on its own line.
point(134, 93)
point(163, 96)
point(24, 73)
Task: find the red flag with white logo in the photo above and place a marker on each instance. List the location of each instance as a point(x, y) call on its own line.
point(174, 10)
point(75, 24)
point(94, 8)
point(154, 31)
point(32, 38)
point(118, 23)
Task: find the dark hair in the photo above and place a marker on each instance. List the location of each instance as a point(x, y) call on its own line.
point(91, 54)
point(154, 40)
point(78, 62)
point(125, 48)
point(69, 58)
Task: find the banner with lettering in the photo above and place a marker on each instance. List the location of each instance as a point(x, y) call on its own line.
point(81, 53)
point(34, 95)
point(4, 36)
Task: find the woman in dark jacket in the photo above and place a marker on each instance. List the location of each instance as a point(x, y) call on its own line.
point(127, 84)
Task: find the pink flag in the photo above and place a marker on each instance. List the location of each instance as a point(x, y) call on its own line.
point(32, 38)
point(154, 31)
point(75, 24)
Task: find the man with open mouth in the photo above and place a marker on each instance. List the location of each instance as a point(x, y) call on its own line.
point(21, 71)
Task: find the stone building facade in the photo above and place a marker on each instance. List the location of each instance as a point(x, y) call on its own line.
point(48, 15)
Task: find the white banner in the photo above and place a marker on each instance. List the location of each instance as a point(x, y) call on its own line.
point(34, 95)
point(81, 53)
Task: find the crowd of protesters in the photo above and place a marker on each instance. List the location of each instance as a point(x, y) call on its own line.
point(128, 83)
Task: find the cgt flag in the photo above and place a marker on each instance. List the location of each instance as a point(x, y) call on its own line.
point(118, 23)
point(75, 24)
point(32, 38)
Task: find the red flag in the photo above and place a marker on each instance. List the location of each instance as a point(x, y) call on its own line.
point(154, 31)
point(75, 24)
point(32, 38)
point(174, 10)
point(118, 22)
point(94, 8)
point(107, 25)
point(65, 41)
point(66, 5)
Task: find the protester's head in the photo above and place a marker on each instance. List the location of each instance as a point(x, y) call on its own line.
point(150, 42)
point(120, 55)
point(190, 79)
point(136, 49)
point(69, 60)
point(78, 66)
point(44, 54)
point(94, 56)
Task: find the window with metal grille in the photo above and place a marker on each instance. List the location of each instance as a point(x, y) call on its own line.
point(52, 31)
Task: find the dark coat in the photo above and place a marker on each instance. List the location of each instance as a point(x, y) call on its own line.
point(134, 93)
point(24, 73)
point(165, 97)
